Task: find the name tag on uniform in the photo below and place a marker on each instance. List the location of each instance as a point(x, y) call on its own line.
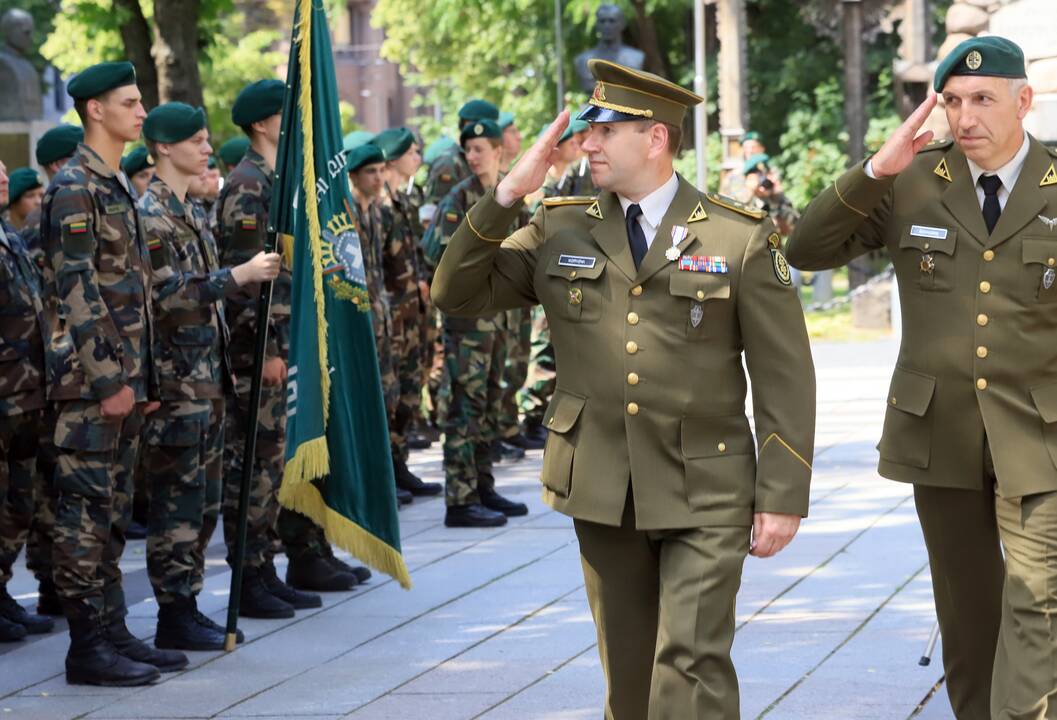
point(576, 261)
point(933, 233)
point(115, 209)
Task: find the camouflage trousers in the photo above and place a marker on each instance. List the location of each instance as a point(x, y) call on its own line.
point(542, 372)
point(95, 464)
point(262, 539)
point(300, 536)
point(407, 352)
point(382, 323)
point(183, 461)
point(39, 546)
point(518, 340)
point(473, 368)
point(19, 440)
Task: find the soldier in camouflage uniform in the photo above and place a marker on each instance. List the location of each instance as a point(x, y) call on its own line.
point(183, 456)
point(474, 354)
point(139, 166)
point(23, 334)
point(24, 194)
point(450, 167)
point(100, 374)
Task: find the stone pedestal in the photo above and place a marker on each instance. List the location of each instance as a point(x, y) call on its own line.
point(18, 141)
point(872, 307)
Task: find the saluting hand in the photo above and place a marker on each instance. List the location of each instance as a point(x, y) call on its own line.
point(899, 150)
point(530, 172)
point(771, 532)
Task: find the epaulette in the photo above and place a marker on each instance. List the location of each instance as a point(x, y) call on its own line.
point(568, 200)
point(732, 204)
point(937, 145)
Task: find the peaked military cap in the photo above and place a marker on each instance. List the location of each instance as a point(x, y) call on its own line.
point(622, 93)
point(394, 142)
point(173, 122)
point(258, 101)
point(22, 181)
point(137, 159)
point(58, 143)
point(98, 79)
point(364, 155)
point(479, 110)
point(990, 56)
point(232, 151)
point(506, 119)
point(480, 129)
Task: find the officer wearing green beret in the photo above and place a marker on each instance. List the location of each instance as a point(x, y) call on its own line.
point(971, 228)
point(655, 293)
point(450, 167)
point(56, 146)
point(138, 164)
point(104, 384)
point(24, 195)
point(232, 151)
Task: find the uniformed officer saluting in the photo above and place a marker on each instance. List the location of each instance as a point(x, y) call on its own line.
point(972, 411)
point(653, 292)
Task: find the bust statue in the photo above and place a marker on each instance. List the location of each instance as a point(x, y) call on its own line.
point(609, 23)
point(20, 97)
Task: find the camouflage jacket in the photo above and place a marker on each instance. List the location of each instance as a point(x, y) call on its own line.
point(243, 218)
point(781, 210)
point(371, 226)
point(400, 261)
point(23, 330)
point(446, 172)
point(97, 263)
point(191, 338)
point(30, 234)
point(576, 180)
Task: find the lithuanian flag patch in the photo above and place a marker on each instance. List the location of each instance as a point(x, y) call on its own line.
point(78, 228)
point(154, 244)
point(249, 223)
point(451, 217)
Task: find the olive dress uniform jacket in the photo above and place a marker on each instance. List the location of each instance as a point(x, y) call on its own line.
point(979, 351)
point(651, 387)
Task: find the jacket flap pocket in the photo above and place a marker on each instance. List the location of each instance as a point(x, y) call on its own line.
point(699, 286)
point(1043, 252)
point(576, 267)
point(928, 238)
point(179, 432)
point(1045, 398)
point(92, 436)
point(192, 335)
point(563, 412)
point(703, 437)
point(911, 391)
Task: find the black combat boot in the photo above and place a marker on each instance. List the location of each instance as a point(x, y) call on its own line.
point(403, 497)
point(206, 621)
point(407, 480)
point(179, 630)
point(473, 516)
point(362, 574)
point(298, 599)
point(494, 501)
point(536, 433)
point(256, 601)
point(48, 599)
point(523, 441)
point(133, 648)
point(11, 611)
point(309, 571)
point(11, 631)
point(93, 659)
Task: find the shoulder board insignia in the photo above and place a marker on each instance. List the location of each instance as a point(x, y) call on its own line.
point(1050, 178)
point(732, 204)
point(942, 170)
point(568, 200)
point(698, 214)
point(594, 211)
point(774, 241)
point(937, 145)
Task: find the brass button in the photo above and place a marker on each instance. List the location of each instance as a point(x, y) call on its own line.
point(633, 378)
point(633, 318)
point(989, 255)
point(981, 320)
point(981, 384)
point(926, 246)
point(633, 408)
point(700, 294)
point(632, 347)
point(893, 400)
point(572, 274)
point(637, 290)
point(722, 447)
point(1051, 262)
point(981, 352)
point(985, 287)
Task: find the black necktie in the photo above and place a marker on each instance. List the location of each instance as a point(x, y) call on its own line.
point(636, 238)
point(992, 208)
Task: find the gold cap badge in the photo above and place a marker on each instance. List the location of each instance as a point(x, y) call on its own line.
point(974, 60)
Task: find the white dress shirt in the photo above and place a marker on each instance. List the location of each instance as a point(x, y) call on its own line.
point(654, 206)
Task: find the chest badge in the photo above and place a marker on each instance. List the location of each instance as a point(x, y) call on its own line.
point(1048, 277)
point(928, 264)
point(1051, 223)
point(678, 235)
point(576, 296)
point(697, 313)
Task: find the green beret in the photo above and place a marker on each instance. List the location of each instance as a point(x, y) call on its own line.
point(22, 181)
point(356, 138)
point(212, 163)
point(137, 159)
point(58, 143)
point(480, 129)
point(394, 142)
point(437, 148)
point(756, 163)
point(98, 79)
point(506, 119)
point(232, 151)
point(990, 56)
point(173, 122)
point(366, 154)
point(751, 135)
point(479, 110)
point(258, 101)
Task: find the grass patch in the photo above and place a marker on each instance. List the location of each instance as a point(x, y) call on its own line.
point(836, 326)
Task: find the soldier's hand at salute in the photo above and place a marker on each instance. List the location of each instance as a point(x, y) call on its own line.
point(262, 267)
point(530, 172)
point(274, 372)
point(119, 405)
point(771, 532)
point(899, 150)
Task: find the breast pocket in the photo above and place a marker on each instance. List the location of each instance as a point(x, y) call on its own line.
point(577, 291)
point(113, 239)
point(1040, 268)
point(930, 250)
point(700, 295)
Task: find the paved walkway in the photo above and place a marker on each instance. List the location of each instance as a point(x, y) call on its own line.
point(497, 625)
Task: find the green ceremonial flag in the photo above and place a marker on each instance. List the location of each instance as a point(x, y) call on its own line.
point(338, 468)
